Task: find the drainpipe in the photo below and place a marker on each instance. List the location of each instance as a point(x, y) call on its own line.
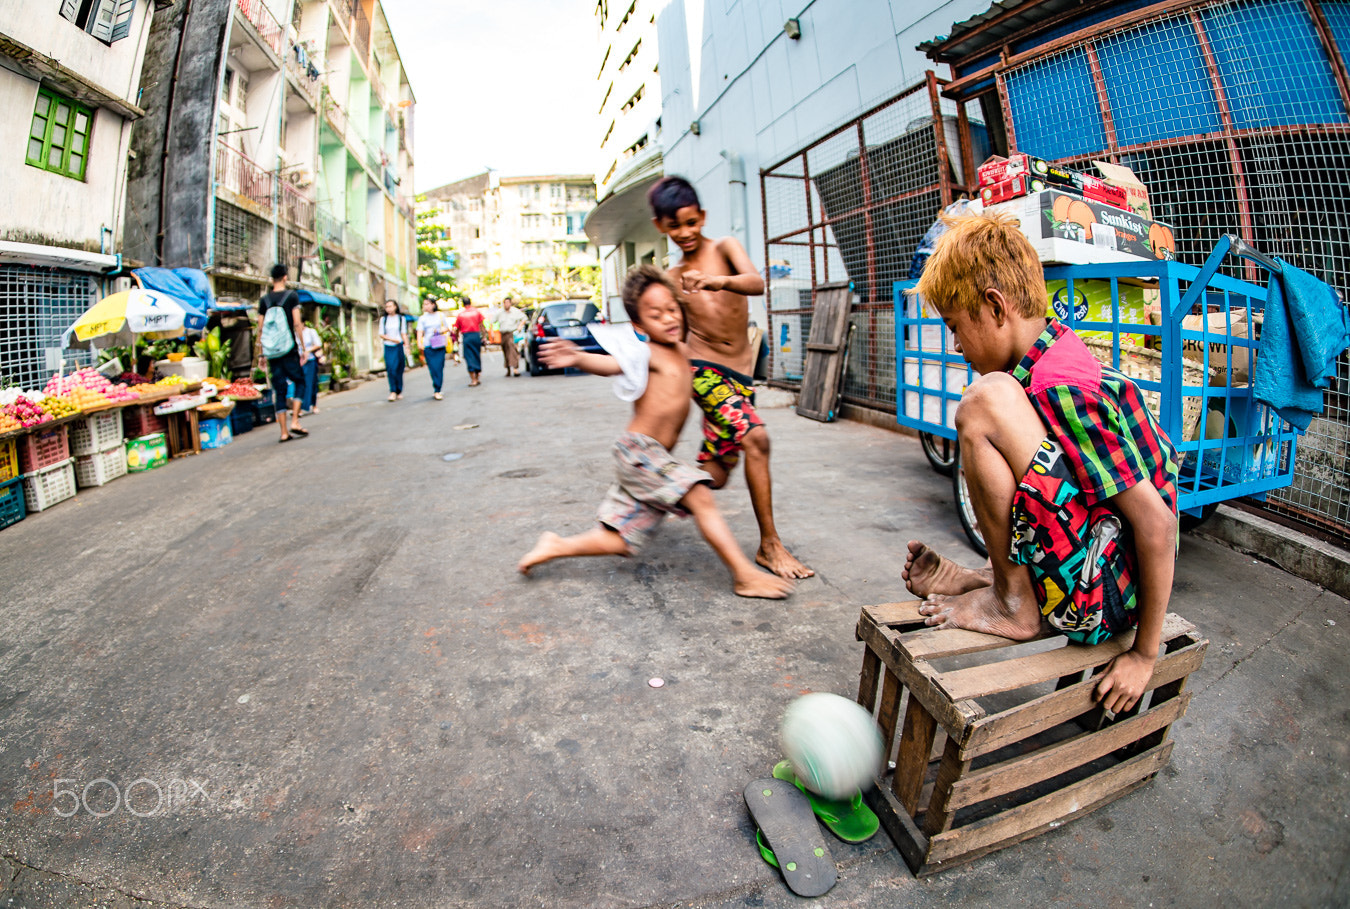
point(740, 212)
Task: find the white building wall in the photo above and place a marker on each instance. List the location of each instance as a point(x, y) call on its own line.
point(44, 207)
point(758, 94)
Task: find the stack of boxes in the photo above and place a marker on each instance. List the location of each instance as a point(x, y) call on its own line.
point(1075, 218)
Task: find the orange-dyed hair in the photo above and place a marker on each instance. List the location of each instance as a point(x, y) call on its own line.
point(979, 252)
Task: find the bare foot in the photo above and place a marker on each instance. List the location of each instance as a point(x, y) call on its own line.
point(759, 584)
point(774, 556)
point(545, 548)
point(927, 573)
point(981, 610)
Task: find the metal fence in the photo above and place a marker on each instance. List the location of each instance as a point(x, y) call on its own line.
point(852, 206)
point(1236, 116)
point(37, 305)
point(245, 178)
point(242, 240)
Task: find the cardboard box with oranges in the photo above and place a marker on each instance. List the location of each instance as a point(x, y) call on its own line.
point(1055, 215)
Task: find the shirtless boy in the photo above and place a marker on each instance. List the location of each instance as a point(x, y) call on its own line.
point(1072, 480)
point(650, 482)
point(716, 276)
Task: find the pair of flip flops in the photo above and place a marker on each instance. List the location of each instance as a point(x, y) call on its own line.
point(789, 837)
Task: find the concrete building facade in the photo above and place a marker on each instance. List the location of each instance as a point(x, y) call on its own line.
point(281, 132)
point(69, 76)
point(497, 224)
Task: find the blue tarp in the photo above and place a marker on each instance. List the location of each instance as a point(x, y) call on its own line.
point(189, 286)
point(317, 296)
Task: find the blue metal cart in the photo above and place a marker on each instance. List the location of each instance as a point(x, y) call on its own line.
point(1195, 376)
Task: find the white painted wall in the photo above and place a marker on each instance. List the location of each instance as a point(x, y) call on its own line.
point(115, 67)
point(761, 95)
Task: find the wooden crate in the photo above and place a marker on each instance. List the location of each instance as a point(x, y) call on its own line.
point(996, 741)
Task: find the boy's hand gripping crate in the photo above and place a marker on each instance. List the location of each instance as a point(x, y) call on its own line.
point(1026, 746)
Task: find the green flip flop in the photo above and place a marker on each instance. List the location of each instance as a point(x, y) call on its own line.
point(849, 819)
point(764, 851)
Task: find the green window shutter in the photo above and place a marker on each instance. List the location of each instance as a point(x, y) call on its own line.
point(70, 9)
point(126, 11)
point(58, 138)
point(101, 20)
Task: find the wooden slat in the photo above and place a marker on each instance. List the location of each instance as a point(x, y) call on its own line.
point(911, 842)
point(1018, 773)
point(1042, 667)
point(1038, 816)
point(895, 614)
point(888, 716)
point(937, 643)
point(824, 348)
point(867, 680)
point(912, 761)
point(941, 808)
point(884, 644)
point(1017, 723)
point(824, 351)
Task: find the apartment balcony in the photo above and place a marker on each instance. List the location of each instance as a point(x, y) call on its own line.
point(344, 9)
point(243, 181)
point(266, 24)
point(305, 74)
point(297, 207)
point(328, 226)
point(335, 114)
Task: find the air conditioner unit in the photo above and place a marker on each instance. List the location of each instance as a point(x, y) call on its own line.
point(119, 285)
point(300, 178)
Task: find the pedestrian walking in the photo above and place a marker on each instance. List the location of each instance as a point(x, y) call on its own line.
point(394, 333)
point(282, 350)
point(510, 321)
point(313, 345)
point(433, 333)
point(469, 327)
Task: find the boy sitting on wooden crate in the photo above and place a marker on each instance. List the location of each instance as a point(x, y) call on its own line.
point(1072, 480)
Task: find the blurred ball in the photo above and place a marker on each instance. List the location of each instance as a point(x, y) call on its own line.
point(833, 744)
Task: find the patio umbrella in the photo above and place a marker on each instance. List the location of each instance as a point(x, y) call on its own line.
point(117, 319)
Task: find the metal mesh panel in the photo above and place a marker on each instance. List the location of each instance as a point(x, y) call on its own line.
point(37, 305)
point(243, 241)
point(1234, 116)
point(853, 206)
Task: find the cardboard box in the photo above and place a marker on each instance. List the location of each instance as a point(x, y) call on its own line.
point(935, 377)
point(1053, 214)
point(1136, 194)
point(1225, 329)
point(1037, 174)
point(1092, 303)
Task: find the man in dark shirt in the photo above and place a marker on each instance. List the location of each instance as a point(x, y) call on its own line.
point(290, 365)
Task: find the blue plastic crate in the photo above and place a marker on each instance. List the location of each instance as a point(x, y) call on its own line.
point(241, 418)
point(12, 509)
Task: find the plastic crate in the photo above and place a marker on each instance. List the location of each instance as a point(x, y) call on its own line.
point(215, 433)
point(263, 413)
point(141, 420)
point(96, 433)
point(241, 419)
point(100, 467)
point(49, 486)
point(43, 448)
point(12, 510)
point(9, 461)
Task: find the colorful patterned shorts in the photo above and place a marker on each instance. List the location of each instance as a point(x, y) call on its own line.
point(727, 399)
point(649, 483)
point(1083, 564)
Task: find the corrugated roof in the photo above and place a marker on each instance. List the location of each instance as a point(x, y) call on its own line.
point(951, 47)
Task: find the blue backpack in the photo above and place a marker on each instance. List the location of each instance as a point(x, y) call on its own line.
point(278, 335)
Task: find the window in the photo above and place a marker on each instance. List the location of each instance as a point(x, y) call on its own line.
point(631, 55)
point(631, 102)
point(106, 20)
point(226, 84)
point(626, 16)
point(58, 140)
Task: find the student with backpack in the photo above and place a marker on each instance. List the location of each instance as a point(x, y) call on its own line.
point(282, 349)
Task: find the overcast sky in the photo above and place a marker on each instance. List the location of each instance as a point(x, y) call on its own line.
point(508, 84)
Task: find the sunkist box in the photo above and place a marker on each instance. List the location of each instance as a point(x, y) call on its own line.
point(1052, 215)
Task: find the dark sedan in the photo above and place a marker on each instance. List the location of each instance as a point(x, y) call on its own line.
point(566, 319)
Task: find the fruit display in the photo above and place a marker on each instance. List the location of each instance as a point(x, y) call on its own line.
point(89, 388)
point(26, 412)
point(132, 378)
point(168, 383)
point(58, 406)
point(8, 423)
point(240, 390)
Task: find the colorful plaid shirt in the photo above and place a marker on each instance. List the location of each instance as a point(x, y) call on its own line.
point(1110, 438)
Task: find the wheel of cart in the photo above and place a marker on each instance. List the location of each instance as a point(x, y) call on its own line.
point(1193, 369)
point(940, 452)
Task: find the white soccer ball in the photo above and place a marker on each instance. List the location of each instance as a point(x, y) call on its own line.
point(832, 743)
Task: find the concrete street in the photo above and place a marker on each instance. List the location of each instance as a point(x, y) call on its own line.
point(308, 675)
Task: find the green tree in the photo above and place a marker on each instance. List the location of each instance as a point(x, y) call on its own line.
point(435, 257)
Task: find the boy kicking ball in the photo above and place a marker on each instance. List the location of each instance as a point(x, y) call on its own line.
point(650, 482)
point(1072, 481)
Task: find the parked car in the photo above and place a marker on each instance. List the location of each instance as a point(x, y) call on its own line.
point(566, 319)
